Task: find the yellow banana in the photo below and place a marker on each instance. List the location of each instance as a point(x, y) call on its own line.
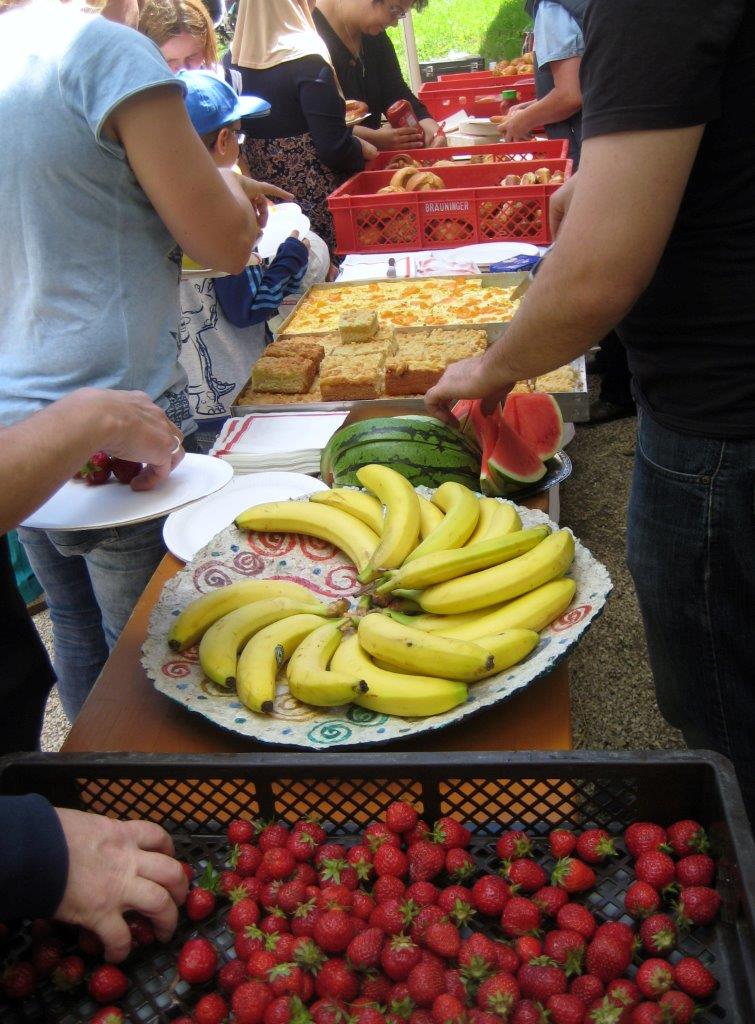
point(430, 516)
point(505, 519)
point(551, 558)
point(219, 647)
point(487, 511)
point(462, 512)
point(265, 654)
point(405, 649)
point(401, 527)
point(507, 648)
point(396, 693)
point(535, 610)
point(309, 678)
point(197, 617)
point(448, 565)
point(331, 524)
point(358, 504)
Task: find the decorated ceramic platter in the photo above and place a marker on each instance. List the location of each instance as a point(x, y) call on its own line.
point(235, 555)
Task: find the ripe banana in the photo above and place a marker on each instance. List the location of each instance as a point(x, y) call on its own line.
point(331, 524)
point(219, 647)
point(505, 520)
point(430, 516)
point(507, 648)
point(394, 693)
point(358, 504)
point(462, 512)
point(448, 565)
point(535, 610)
point(401, 527)
point(309, 678)
point(195, 619)
point(409, 650)
point(487, 511)
point(265, 654)
point(551, 558)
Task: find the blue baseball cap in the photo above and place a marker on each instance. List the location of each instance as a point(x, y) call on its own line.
point(212, 103)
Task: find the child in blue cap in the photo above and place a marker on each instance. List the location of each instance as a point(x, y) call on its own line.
point(222, 328)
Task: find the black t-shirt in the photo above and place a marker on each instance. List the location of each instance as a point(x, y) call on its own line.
point(375, 79)
point(691, 335)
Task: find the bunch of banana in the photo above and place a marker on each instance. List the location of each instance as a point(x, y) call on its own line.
point(462, 511)
point(267, 651)
point(309, 678)
point(430, 517)
point(402, 519)
point(357, 503)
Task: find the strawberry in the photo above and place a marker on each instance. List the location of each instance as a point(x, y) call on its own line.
point(520, 916)
point(573, 875)
point(107, 984)
point(90, 944)
point(655, 868)
point(96, 470)
point(477, 957)
point(113, 1015)
point(653, 978)
point(231, 975)
point(335, 897)
point(567, 949)
point(512, 844)
point(697, 905)
point(333, 931)
point(696, 869)
point(388, 887)
point(46, 954)
point(550, 899)
point(564, 1008)
point(644, 837)
point(277, 862)
point(677, 1006)
point(443, 938)
point(460, 864)
point(576, 918)
point(124, 470)
point(587, 987)
point(647, 1013)
point(302, 845)
point(623, 992)
point(595, 845)
point(400, 817)
point(527, 947)
point(240, 830)
point(425, 983)
point(142, 930)
point(272, 836)
point(448, 1010)
point(362, 905)
point(526, 874)
point(426, 860)
point(286, 979)
point(245, 859)
point(456, 902)
point(541, 978)
point(377, 834)
point(291, 895)
point(499, 994)
point(423, 894)
point(641, 900)
point(527, 1011)
point(694, 978)
point(562, 842)
point(389, 917)
point(260, 963)
point(607, 958)
point(420, 831)
point(69, 973)
point(249, 1002)
point(451, 834)
point(197, 961)
point(211, 1009)
point(658, 934)
point(18, 980)
point(490, 894)
point(363, 951)
point(337, 981)
point(200, 903)
point(389, 860)
point(398, 956)
point(686, 837)
point(368, 1015)
point(506, 959)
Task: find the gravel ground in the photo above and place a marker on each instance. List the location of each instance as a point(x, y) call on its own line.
point(613, 701)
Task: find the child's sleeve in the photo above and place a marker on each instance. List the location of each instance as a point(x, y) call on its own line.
point(255, 295)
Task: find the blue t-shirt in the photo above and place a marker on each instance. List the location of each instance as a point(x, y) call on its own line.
point(557, 34)
point(90, 273)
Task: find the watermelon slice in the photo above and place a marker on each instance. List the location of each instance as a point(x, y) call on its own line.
point(511, 463)
point(485, 430)
point(537, 420)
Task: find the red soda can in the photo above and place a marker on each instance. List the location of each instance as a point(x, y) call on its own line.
point(401, 115)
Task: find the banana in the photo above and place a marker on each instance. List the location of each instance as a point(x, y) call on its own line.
point(430, 516)
point(331, 524)
point(551, 558)
point(507, 648)
point(219, 647)
point(265, 654)
point(448, 565)
point(395, 693)
point(358, 504)
point(505, 520)
point(309, 678)
point(401, 528)
point(410, 650)
point(535, 610)
point(462, 512)
point(200, 614)
point(487, 511)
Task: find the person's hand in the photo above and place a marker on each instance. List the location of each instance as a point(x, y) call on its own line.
point(388, 137)
point(469, 378)
point(115, 866)
point(369, 152)
point(438, 140)
point(559, 205)
point(304, 241)
point(517, 126)
point(258, 193)
point(430, 129)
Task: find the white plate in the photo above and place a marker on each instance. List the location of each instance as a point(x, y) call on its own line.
point(77, 506)
point(494, 252)
point(187, 531)
point(282, 219)
point(479, 126)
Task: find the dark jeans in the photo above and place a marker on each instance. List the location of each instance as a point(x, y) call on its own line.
point(691, 551)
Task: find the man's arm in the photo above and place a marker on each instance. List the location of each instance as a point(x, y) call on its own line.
point(607, 251)
point(561, 102)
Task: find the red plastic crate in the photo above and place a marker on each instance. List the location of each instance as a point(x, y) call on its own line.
point(474, 207)
point(504, 152)
point(480, 99)
point(474, 77)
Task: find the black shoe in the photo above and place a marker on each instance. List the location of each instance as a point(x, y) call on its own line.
point(604, 412)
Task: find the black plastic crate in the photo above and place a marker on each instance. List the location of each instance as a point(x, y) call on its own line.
point(194, 797)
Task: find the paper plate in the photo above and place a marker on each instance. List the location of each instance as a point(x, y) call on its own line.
point(235, 555)
point(189, 529)
point(77, 506)
point(282, 219)
point(494, 252)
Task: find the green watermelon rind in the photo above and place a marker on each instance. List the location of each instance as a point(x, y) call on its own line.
point(420, 463)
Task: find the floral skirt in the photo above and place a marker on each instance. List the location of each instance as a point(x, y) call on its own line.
point(293, 164)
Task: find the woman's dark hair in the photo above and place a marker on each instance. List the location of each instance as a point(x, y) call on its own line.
point(419, 5)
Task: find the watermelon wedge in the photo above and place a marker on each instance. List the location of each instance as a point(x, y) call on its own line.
point(511, 463)
point(537, 420)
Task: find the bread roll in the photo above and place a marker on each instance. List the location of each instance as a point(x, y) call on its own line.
point(543, 176)
point(511, 179)
point(528, 178)
point(401, 160)
point(424, 181)
point(389, 189)
point(402, 176)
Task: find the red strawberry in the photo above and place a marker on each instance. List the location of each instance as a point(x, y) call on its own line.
point(448, 1010)
point(573, 875)
point(302, 845)
point(378, 833)
point(527, 1011)
point(425, 983)
point(694, 978)
point(400, 817)
point(658, 934)
point(644, 837)
point(477, 957)
point(607, 958)
point(513, 844)
point(490, 894)
point(231, 975)
point(594, 845)
point(69, 973)
point(211, 1009)
point(456, 902)
point(96, 470)
point(697, 869)
point(443, 938)
point(389, 917)
point(46, 954)
point(124, 471)
point(277, 862)
point(677, 1006)
point(550, 899)
point(18, 980)
point(291, 895)
point(686, 837)
point(399, 955)
point(335, 897)
point(617, 931)
point(460, 864)
point(655, 868)
point(114, 1015)
point(562, 842)
point(587, 987)
point(576, 918)
point(641, 900)
point(368, 1015)
point(499, 994)
point(363, 951)
point(526, 874)
point(520, 916)
point(200, 903)
point(90, 944)
point(388, 887)
point(566, 948)
point(272, 836)
point(389, 860)
point(142, 930)
point(506, 959)
point(424, 894)
point(527, 947)
point(245, 859)
point(362, 905)
point(337, 981)
point(697, 905)
point(426, 860)
point(286, 979)
point(240, 830)
point(647, 1013)
point(197, 961)
point(450, 833)
point(249, 1002)
point(565, 1009)
point(541, 978)
point(107, 984)
point(260, 963)
point(654, 977)
point(333, 931)
point(623, 992)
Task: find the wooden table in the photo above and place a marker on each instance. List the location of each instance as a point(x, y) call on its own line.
point(125, 712)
